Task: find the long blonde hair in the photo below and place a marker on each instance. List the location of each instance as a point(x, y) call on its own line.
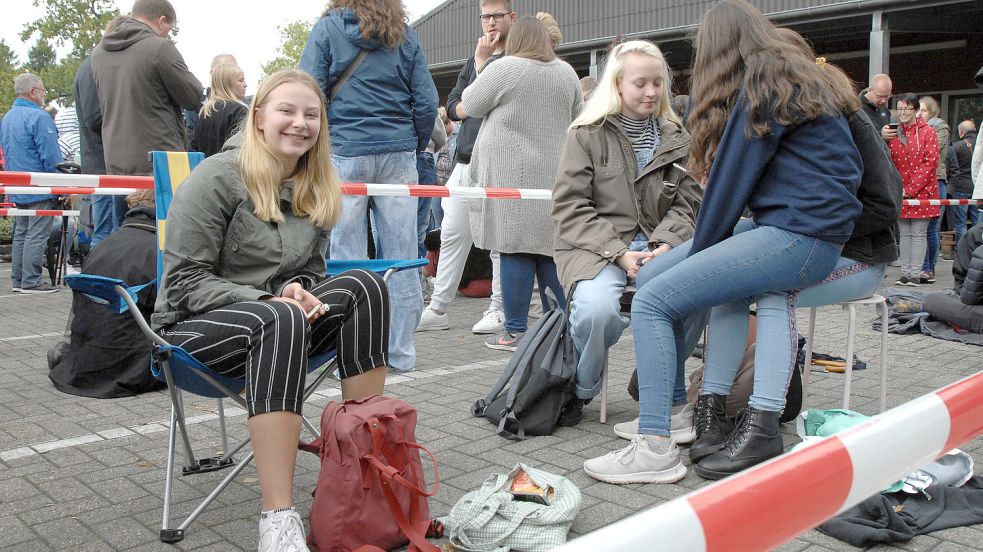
point(607, 101)
point(316, 192)
point(223, 79)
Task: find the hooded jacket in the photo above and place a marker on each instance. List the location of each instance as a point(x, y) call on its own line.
point(143, 83)
point(388, 104)
point(880, 116)
point(916, 155)
point(30, 143)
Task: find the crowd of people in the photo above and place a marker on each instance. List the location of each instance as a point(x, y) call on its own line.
point(774, 184)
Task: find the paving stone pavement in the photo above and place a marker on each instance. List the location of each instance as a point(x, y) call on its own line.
point(87, 474)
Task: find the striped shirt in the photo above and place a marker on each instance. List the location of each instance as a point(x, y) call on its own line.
point(644, 136)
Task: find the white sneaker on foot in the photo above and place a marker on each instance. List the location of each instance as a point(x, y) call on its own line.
point(492, 321)
point(431, 320)
point(282, 531)
point(637, 463)
point(681, 427)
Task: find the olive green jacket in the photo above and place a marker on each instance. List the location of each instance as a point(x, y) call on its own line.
point(216, 252)
point(600, 202)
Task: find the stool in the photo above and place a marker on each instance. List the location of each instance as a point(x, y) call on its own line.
point(851, 308)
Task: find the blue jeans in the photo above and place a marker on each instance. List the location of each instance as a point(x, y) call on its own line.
point(107, 216)
point(428, 175)
point(518, 271)
point(932, 252)
point(744, 265)
point(29, 243)
point(395, 223)
point(849, 280)
point(596, 323)
point(960, 212)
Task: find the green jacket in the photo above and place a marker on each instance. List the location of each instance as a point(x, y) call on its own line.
point(216, 252)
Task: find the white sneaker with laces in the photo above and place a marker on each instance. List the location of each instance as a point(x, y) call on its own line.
point(681, 427)
point(282, 531)
point(431, 320)
point(637, 463)
point(492, 321)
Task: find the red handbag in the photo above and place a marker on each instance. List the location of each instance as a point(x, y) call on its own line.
point(371, 493)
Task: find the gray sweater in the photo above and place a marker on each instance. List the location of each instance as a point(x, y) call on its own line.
point(527, 106)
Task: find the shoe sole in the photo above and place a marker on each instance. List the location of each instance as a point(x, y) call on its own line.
point(671, 475)
point(485, 331)
point(433, 328)
point(38, 292)
point(497, 347)
point(710, 474)
point(680, 436)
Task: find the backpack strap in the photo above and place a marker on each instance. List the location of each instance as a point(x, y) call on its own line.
point(349, 71)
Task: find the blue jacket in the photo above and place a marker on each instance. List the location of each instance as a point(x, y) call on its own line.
point(30, 144)
point(389, 104)
point(800, 178)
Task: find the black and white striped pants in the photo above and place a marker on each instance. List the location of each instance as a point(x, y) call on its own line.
point(268, 342)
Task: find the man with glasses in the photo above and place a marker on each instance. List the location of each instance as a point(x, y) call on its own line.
point(874, 100)
point(496, 18)
point(30, 143)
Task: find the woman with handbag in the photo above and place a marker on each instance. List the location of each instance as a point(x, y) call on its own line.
point(769, 135)
point(244, 288)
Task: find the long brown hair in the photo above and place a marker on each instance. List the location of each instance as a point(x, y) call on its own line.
point(738, 49)
point(383, 20)
point(529, 39)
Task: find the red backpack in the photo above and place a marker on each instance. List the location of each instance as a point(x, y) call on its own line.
point(371, 492)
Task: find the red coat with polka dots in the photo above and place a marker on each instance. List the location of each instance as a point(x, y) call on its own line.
point(917, 160)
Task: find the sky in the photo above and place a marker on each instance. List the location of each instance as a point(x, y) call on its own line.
point(209, 27)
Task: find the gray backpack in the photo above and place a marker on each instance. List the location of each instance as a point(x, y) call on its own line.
point(536, 383)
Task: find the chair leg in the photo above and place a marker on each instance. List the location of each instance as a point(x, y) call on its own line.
point(850, 330)
point(604, 390)
point(884, 315)
point(221, 425)
point(167, 534)
point(807, 368)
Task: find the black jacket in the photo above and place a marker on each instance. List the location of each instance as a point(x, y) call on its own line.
point(212, 131)
point(468, 132)
point(960, 174)
point(108, 355)
point(90, 119)
point(874, 232)
point(880, 116)
point(967, 270)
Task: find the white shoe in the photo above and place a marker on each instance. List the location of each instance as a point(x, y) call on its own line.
point(430, 320)
point(637, 463)
point(681, 427)
point(282, 532)
point(492, 321)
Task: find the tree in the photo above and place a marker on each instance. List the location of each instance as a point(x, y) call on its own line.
point(293, 38)
point(8, 70)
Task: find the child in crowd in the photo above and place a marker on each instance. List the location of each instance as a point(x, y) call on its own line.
point(769, 135)
point(614, 206)
point(223, 112)
point(249, 304)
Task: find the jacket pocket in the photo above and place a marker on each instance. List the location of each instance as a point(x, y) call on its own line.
point(251, 246)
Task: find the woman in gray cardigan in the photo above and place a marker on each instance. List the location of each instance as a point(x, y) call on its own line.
point(528, 99)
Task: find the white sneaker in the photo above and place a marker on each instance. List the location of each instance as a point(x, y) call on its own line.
point(282, 532)
point(681, 427)
point(492, 321)
point(637, 463)
point(431, 320)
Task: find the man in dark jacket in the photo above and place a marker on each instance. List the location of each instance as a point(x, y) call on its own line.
point(962, 306)
point(108, 356)
point(456, 240)
point(143, 83)
point(875, 100)
point(961, 179)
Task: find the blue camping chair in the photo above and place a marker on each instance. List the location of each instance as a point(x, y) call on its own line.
point(181, 370)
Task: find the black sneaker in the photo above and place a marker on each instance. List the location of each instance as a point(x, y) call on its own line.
point(40, 288)
point(902, 281)
point(926, 277)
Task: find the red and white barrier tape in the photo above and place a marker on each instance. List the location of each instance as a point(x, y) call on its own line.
point(770, 504)
point(37, 213)
point(69, 190)
point(82, 184)
point(942, 201)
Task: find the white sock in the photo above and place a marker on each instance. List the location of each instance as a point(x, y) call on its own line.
point(657, 444)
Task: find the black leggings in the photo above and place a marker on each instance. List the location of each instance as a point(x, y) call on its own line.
point(268, 342)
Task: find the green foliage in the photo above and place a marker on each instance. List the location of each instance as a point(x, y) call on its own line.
point(293, 38)
point(8, 70)
point(6, 230)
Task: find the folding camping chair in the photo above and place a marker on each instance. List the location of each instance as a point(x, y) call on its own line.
point(181, 370)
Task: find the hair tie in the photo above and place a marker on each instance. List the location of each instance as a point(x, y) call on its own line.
point(821, 61)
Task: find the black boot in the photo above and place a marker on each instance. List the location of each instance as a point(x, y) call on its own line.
point(755, 440)
point(572, 413)
point(712, 426)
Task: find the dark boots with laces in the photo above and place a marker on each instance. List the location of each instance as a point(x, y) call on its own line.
point(755, 439)
point(712, 426)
